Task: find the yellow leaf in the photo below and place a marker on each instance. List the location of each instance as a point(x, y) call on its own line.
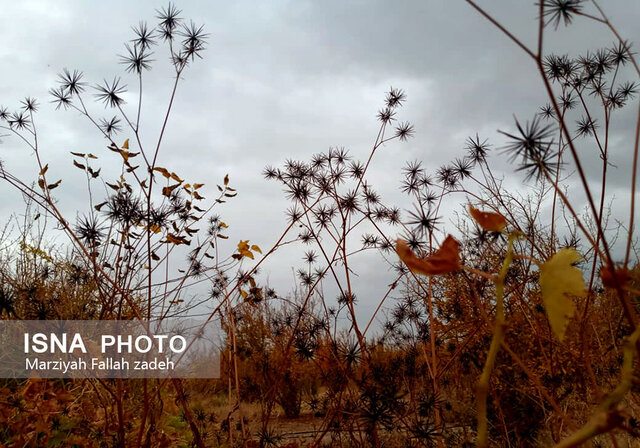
point(125, 145)
point(54, 185)
point(256, 248)
point(44, 169)
point(559, 279)
point(243, 249)
point(166, 191)
point(176, 239)
point(126, 155)
point(162, 171)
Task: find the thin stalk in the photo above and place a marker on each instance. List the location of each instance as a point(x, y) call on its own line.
point(497, 339)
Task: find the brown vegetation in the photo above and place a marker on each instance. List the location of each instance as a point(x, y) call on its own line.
point(520, 330)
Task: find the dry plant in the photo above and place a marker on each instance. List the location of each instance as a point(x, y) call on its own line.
point(498, 301)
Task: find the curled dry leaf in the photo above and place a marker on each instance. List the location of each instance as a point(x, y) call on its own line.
point(622, 275)
point(493, 222)
point(444, 260)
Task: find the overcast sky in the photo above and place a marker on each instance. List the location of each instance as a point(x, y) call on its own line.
point(287, 79)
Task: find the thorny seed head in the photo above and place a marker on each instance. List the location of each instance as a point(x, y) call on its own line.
point(423, 222)
point(324, 214)
point(110, 93)
point(532, 145)
point(547, 111)
point(404, 131)
point(395, 98)
point(299, 191)
point(410, 185)
point(628, 90)
point(567, 101)
point(413, 169)
point(530, 140)
point(560, 10)
point(193, 41)
point(615, 100)
point(136, 60)
point(110, 127)
point(294, 214)
point(19, 120)
point(345, 298)
point(89, 231)
point(379, 213)
point(71, 81)
point(447, 176)
point(270, 172)
point(620, 53)
point(598, 87)
point(558, 68)
point(197, 268)
point(124, 209)
point(369, 240)
point(159, 216)
point(310, 257)
point(603, 61)
point(462, 167)
point(144, 37)
point(338, 156)
point(30, 104)
point(318, 161)
point(393, 216)
point(305, 278)
point(169, 20)
point(356, 169)
point(414, 241)
point(306, 236)
point(477, 150)
point(61, 97)
point(539, 163)
point(349, 202)
point(586, 126)
point(386, 115)
point(370, 196)
point(429, 197)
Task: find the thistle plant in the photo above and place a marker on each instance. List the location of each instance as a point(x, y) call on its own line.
point(521, 293)
point(129, 240)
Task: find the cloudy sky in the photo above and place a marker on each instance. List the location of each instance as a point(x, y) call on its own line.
point(287, 79)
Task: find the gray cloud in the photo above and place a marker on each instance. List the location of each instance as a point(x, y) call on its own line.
point(287, 79)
